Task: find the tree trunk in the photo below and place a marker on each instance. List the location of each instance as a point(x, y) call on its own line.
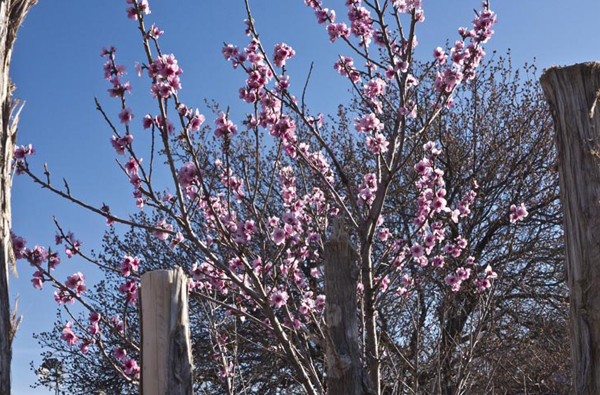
point(166, 347)
point(345, 372)
point(573, 93)
point(11, 16)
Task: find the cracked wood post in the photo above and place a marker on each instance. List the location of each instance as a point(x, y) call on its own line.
point(345, 372)
point(574, 96)
point(12, 13)
point(166, 347)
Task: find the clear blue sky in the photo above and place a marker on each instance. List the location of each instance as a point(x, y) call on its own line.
point(58, 71)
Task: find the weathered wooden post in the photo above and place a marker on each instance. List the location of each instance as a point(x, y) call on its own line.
point(12, 13)
point(166, 348)
point(573, 95)
point(345, 372)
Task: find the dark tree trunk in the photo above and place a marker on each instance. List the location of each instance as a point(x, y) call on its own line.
point(574, 94)
point(11, 16)
point(345, 372)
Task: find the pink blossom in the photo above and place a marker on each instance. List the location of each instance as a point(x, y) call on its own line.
point(278, 298)
point(188, 175)
point(454, 282)
point(417, 250)
point(518, 213)
point(324, 16)
point(482, 284)
point(118, 323)
point(119, 144)
point(162, 224)
point(345, 67)
point(438, 261)
point(463, 273)
point(126, 116)
point(282, 53)
point(154, 32)
point(320, 302)
point(147, 122)
point(197, 121)
point(75, 283)
point(131, 166)
point(338, 30)
point(490, 273)
point(374, 88)
point(131, 367)
point(94, 329)
point(440, 55)
point(129, 288)
point(176, 240)
point(278, 236)
point(377, 143)
point(95, 317)
point(129, 265)
point(38, 279)
point(18, 244)
point(368, 124)
point(120, 354)
point(85, 345)
point(225, 128)
point(68, 335)
point(24, 150)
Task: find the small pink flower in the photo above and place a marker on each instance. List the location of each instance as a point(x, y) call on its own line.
point(162, 224)
point(75, 282)
point(417, 251)
point(490, 273)
point(131, 367)
point(440, 55)
point(68, 335)
point(95, 317)
point(518, 213)
point(129, 265)
point(278, 298)
point(282, 53)
point(278, 236)
point(22, 151)
point(197, 121)
point(126, 116)
point(120, 354)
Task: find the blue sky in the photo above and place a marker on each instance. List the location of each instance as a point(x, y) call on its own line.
point(58, 71)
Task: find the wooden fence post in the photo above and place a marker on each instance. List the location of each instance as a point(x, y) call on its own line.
point(345, 372)
point(573, 93)
point(166, 349)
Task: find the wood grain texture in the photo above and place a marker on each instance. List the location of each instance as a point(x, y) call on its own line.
point(12, 14)
point(167, 367)
point(345, 372)
point(572, 92)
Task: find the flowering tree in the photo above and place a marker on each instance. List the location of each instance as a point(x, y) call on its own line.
point(515, 161)
point(250, 211)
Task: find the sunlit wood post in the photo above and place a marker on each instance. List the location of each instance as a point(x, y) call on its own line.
point(166, 349)
point(573, 93)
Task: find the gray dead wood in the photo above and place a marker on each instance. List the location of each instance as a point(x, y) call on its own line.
point(572, 93)
point(345, 372)
point(167, 367)
point(11, 17)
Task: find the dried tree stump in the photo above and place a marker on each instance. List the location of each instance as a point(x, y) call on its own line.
point(166, 348)
point(573, 95)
